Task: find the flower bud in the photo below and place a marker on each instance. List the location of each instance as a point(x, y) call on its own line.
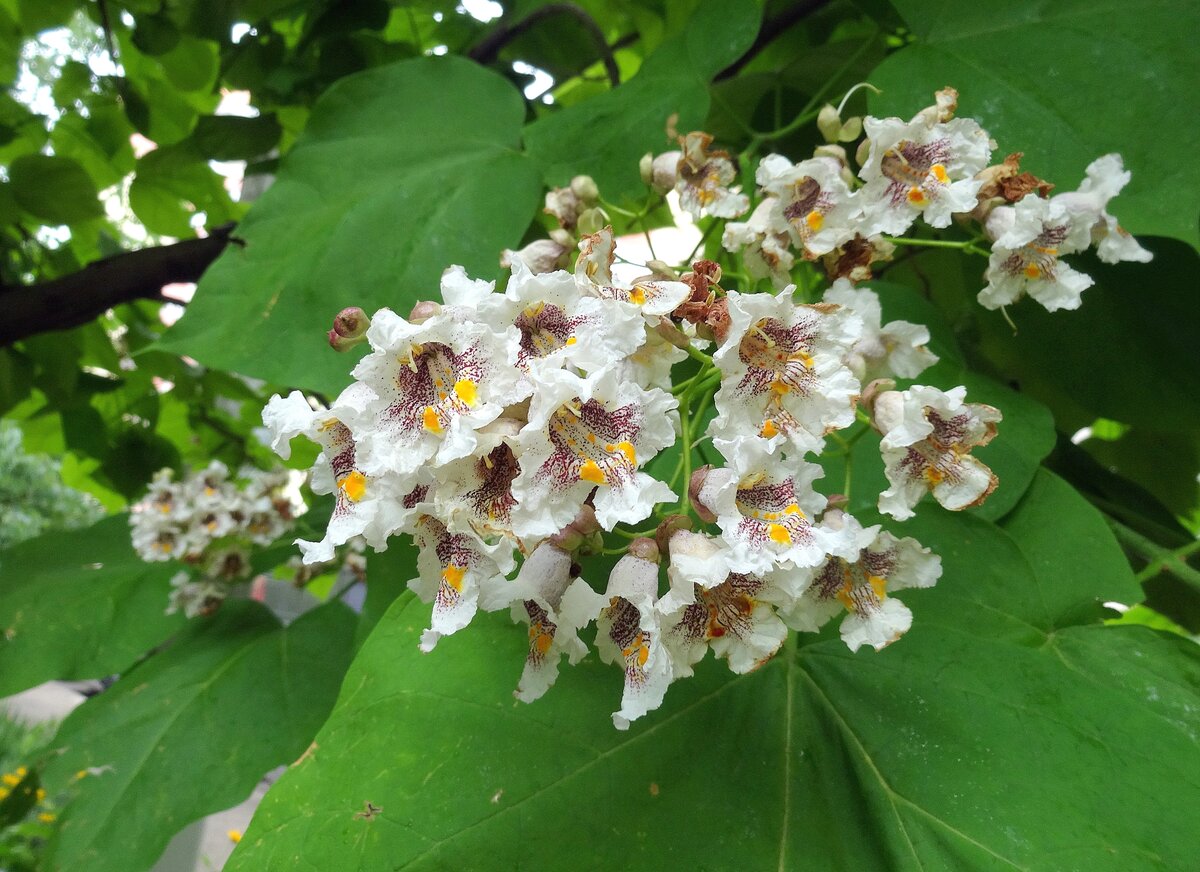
point(644, 549)
point(672, 334)
point(829, 123)
point(662, 171)
point(349, 328)
point(579, 532)
point(871, 392)
point(540, 256)
point(863, 152)
point(584, 187)
point(592, 221)
point(670, 525)
point(695, 486)
point(646, 167)
point(424, 310)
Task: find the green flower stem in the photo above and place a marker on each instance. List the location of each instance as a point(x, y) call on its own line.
point(697, 354)
point(930, 243)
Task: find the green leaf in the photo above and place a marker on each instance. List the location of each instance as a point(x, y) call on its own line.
point(1028, 73)
point(192, 731)
point(977, 742)
point(387, 185)
point(605, 136)
point(79, 604)
point(172, 184)
point(231, 137)
point(55, 189)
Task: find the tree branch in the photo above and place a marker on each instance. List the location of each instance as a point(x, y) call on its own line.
point(77, 298)
point(771, 29)
point(489, 48)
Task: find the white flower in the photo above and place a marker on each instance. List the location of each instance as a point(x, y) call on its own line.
point(920, 168)
point(195, 597)
point(1106, 176)
point(543, 587)
point(437, 382)
point(927, 438)
point(459, 573)
point(475, 492)
point(764, 241)
point(736, 618)
point(784, 372)
point(362, 503)
point(703, 179)
point(586, 434)
point(1030, 238)
point(696, 560)
point(897, 349)
point(628, 633)
point(593, 271)
point(766, 507)
point(557, 326)
point(814, 202)
point(860, 586)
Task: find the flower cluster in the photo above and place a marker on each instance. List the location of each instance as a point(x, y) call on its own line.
point(520, 435)
point(935, 168)
point(210, 522)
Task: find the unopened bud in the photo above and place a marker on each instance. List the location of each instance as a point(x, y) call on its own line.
point(864, 152)
point(836, 503)
point(349, 329)
point(424, 310)
point(646, 167)
point(644, 549)
point(670, 525)
point(672, 334)
point(579, 532)
point(829, 123)
point(871, 393)
point(592, 221)
point(695, 486)
point(539, 256)
point(661, 271)
point(584, 187)
point(661, 172)
point(562, 237)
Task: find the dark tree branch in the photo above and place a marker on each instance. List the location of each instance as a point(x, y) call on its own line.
point(770, 30)
point(77, 298)
point(489, 48)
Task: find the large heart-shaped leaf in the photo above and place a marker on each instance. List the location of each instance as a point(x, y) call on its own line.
point(79, 604)
point(403, 170)
point(996, 734)
point(605, 136)
point(1064, 83)
point(192, 731)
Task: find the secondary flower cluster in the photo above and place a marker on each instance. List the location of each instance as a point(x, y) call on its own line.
point(934, 167)
point(210, 522)
point(508, 432)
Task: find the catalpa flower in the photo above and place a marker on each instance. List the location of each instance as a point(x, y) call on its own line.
point(783, 370)
point(556, 608)
point(735, 617)
point(928, 435)
point(459, 573)
point(703, 179)
point(1106, 176)
point(813, 201)
point(766, 509)
point(475, 492)
point(897, 349)
point(593, 271)
point(1031, 237)
point(437, 382)
point(628, 632)
point(361, 502)
point(923, 167)
point(764, 241)
point(860, 585)
point(586, 434)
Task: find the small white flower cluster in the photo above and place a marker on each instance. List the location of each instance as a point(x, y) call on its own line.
point(497, 425)
point(210, 522)
point(934, 167)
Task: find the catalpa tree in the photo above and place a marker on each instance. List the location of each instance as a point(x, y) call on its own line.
point(536, 351)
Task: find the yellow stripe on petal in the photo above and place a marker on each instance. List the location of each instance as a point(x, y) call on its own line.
point(467, 391)
point(453, 576)
point(779, 533)
point(591, 471)
point(430, 419)
point(353, 485)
